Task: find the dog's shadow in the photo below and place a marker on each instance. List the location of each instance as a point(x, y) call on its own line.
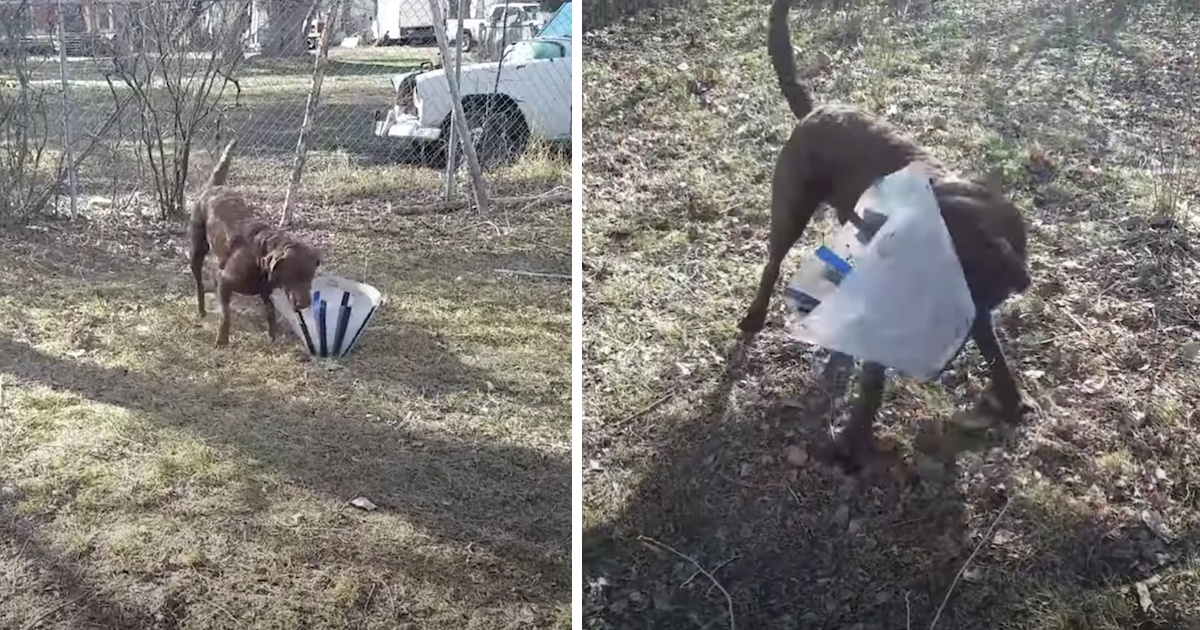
point(399, 356)
point(735, 487)
point(390, 355)
point(742, 486)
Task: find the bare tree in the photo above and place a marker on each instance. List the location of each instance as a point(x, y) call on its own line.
point(72, 169)
point(24, 125)
point(33, 166)
point(178, 91)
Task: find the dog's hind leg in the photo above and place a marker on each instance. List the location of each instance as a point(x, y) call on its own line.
point(199, 251)
point(1003, 388)
point(855, 439)
point(269, 313)
point(224, 297)
point(795, 196)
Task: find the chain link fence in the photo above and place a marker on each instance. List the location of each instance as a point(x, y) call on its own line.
point(125, 98)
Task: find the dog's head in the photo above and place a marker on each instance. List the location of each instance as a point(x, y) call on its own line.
point(1010, 264)
point(1006, 245)
point(991, 228)
point(292, 267)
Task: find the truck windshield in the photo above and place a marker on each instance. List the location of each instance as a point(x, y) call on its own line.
point(560, 24)
point(531, 49)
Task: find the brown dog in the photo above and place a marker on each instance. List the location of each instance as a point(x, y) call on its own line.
point(253, 258)
point(835, 153)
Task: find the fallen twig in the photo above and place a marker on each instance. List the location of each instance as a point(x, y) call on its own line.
point(37, 621)
point(648, 408)
point(705, 572)
point(534, 274)
point(714, 570)
point(986, 537)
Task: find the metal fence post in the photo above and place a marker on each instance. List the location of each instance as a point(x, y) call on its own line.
point(68, 145)
point(452, 149)
point(459, 118)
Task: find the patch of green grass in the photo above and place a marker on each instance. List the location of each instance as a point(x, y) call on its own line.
point(1115, 462)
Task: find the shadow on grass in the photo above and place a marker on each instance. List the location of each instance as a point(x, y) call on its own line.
point(809, 547)
point(780, 539)
point(509, 500)
point(45, 571)
point(269, 129)
point(336, 67)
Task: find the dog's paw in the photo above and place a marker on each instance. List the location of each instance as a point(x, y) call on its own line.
point(752, 323)
point(1020, 411)
point(851, 451)
point(1028, 409)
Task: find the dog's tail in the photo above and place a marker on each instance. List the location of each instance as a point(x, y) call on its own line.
point(221, 170)
point(779, 49)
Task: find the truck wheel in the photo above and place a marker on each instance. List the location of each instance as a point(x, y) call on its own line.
point(499, 131)
point(500, 135)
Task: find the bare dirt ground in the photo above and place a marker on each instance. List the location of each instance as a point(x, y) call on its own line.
point(1087, 517)
point(150, 480)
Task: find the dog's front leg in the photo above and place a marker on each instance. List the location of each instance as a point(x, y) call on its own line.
point(1012, 405)
point(269, 313)
point(855, 439)
point(199, 251)
point(794, 199)
point(224, 297)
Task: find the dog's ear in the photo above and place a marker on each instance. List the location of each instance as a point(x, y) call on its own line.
point(274, 258)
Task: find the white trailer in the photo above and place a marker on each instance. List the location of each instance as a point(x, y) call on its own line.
point(405, 22)
point(526, 18)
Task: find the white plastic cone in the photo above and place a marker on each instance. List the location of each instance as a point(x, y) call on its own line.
point(334, 323)
point(906, 303)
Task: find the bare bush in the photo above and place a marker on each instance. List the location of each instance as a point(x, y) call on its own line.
point(178, 89)
point(28, 167)
point(35, 114)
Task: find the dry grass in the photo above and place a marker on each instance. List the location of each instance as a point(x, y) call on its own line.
point(1086, 110)
point(149, 480)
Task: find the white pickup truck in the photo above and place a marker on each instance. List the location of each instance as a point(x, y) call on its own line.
point(526, 95)
point(519, 14)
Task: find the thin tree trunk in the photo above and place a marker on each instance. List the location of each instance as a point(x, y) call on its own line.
point(458, 119)
point(452, 148)
point(314, 95)
point(72, 187)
